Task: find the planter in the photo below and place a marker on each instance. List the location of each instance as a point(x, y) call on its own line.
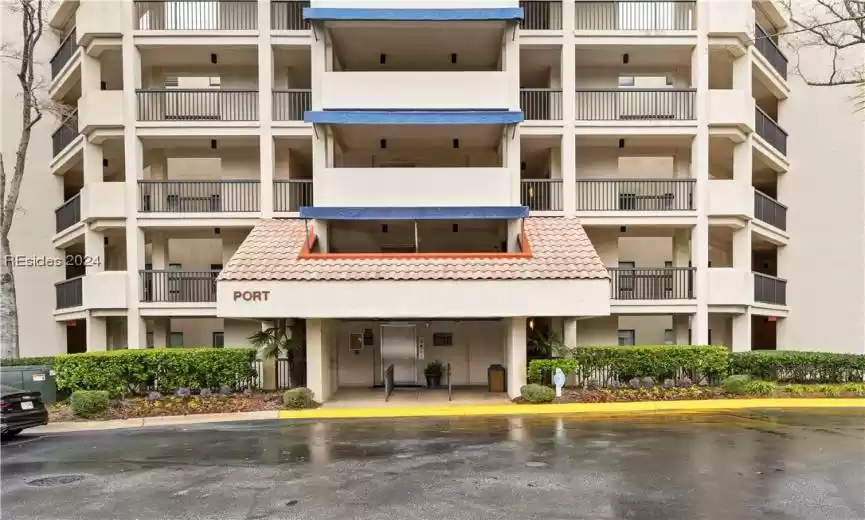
point(433, 381)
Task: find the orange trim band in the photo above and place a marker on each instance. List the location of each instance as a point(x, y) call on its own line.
point(306, 254)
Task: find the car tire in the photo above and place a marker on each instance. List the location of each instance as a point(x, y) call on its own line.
point(8, 434)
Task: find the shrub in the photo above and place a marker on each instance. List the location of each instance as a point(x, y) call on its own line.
point(634, 383)
point(537, 393)
point(831, 390)
point(648, 383)
point(669, 384)
point(224, 390)
point(799, 367)
point(87, 403)
point(122, 372)
point(656, 361)
point(735, 384)
point(541, 368)
point(154, 396)
point(27, 361)
point(205, 392)
point(794, 389)
point(686, 382)
point(764, 388)
point(298, 398)
point(183, 393)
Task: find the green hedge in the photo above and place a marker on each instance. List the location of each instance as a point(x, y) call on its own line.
point(123, 372)
point(799, 367)
point(40, 360)
point(603, 364)
point(87, 403)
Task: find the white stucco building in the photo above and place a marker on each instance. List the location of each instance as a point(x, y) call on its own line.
point(426, 181)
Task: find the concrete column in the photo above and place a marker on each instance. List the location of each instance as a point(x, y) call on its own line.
point(511, 65)
point(681, 325)
point(91, 74)
point(681, 247)
point(94, 250)
point(136, 329)
point(159, 258)
point(569, 86)
point(569, 336)
point(742, 332)
point(92, 163)
point(700, 171)
point(265, 107)
point(317, 359)
point(161, 332)
point(742, 248)
point(230, 242)
point(511, 160)
point(515, 344)
point(97, 333)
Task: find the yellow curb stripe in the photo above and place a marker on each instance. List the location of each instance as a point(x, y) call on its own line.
point(565, 408)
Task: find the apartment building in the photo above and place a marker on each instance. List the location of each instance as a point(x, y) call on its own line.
point(426, 180)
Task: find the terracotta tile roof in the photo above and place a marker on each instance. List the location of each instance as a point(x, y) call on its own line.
point(560, 250)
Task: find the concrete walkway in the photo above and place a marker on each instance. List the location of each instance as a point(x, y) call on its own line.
point(170, 420)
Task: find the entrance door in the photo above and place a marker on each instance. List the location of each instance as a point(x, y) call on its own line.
point(399, 348)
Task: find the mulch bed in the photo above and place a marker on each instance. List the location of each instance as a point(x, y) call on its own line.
point(606, 395)
point(138, 407)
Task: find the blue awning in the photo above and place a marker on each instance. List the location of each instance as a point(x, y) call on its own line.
point(414, 117)
point(413, 15)
point(441, 213)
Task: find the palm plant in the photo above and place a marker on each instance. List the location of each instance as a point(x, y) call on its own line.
point(285, 335)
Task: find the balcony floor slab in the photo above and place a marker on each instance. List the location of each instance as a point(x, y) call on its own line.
point(71, 235)
point(178, 309)
point(618, 307)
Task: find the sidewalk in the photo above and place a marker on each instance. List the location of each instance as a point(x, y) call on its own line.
point(170, 420)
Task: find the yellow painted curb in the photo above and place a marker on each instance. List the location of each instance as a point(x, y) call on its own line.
point(566, 408)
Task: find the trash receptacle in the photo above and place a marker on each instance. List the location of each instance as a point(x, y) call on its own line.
point(33, 378)
point(497, 380)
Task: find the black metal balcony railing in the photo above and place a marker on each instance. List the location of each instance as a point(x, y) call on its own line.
point(770, 289)
point(769, 130)
point(541, 104)
point(290, 195)
point(636, 15)
point(635, 195)
point(770, 210)
point(635, 104)
point(196, 15)
point(661, 283)
point(769, 49)
point(67, 49)
point(541, 15)
point(197, 105)
point(69, 293)
point(173, 196)
point(541, 194)
point(174, 285)
point(287, 15)
point(290, 104)
point(68, 214)
point(65, 134)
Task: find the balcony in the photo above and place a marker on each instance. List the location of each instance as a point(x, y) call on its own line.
point(68, 214)
point(197, 105)
point(69, 293)
point(100, 109)
point(541, 15)
point(770, 211)
point(65, 134)
point(635, 104)
point(541, 104)
point(174, 196)
point(770, 289)
point(287, 15)
point(67, 50)
point(769, 130)
point(769, 49)
point(636, 16)
point(541, 194)
point(662, 283)
point(635, 195)
point(176, 286)
point(290, 104)
point(197, 15)
point(290, 195)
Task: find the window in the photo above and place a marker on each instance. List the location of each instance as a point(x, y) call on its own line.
point(669, 337)
point(443, 339)
point(175, 339)
point(218, 339)
point(627, 337)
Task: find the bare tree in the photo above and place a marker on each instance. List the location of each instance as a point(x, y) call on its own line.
point(833, 32)
point(22, 54)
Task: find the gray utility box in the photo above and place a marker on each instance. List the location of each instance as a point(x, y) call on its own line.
point(33, 378)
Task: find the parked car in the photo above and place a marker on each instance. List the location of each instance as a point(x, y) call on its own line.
point(20, 409)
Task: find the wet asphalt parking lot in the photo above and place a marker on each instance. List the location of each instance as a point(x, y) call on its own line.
point(808, 465)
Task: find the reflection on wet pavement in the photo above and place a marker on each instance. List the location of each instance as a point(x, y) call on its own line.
point(745, 464)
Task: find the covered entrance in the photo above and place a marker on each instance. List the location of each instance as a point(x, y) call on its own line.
point(400, 353)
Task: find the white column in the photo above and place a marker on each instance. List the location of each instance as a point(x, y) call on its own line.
point(742, 332)
point(569, 86)
point(265, 107)
point(97, 333)
point(317, 360)
point(91, 74)
point(92, 163)
point(159, 258)
point(161, 332)
point(136, 329)
point(681, 324)
point(700, 169)
point(570, 337)
point(94, 251)
point(515, 344)
point(681, 247)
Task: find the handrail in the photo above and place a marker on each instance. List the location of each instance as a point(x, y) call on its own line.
point(388, 383)
point(450, 386)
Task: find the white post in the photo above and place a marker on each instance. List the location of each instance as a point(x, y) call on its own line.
point(265, 108)
point(515, 339)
